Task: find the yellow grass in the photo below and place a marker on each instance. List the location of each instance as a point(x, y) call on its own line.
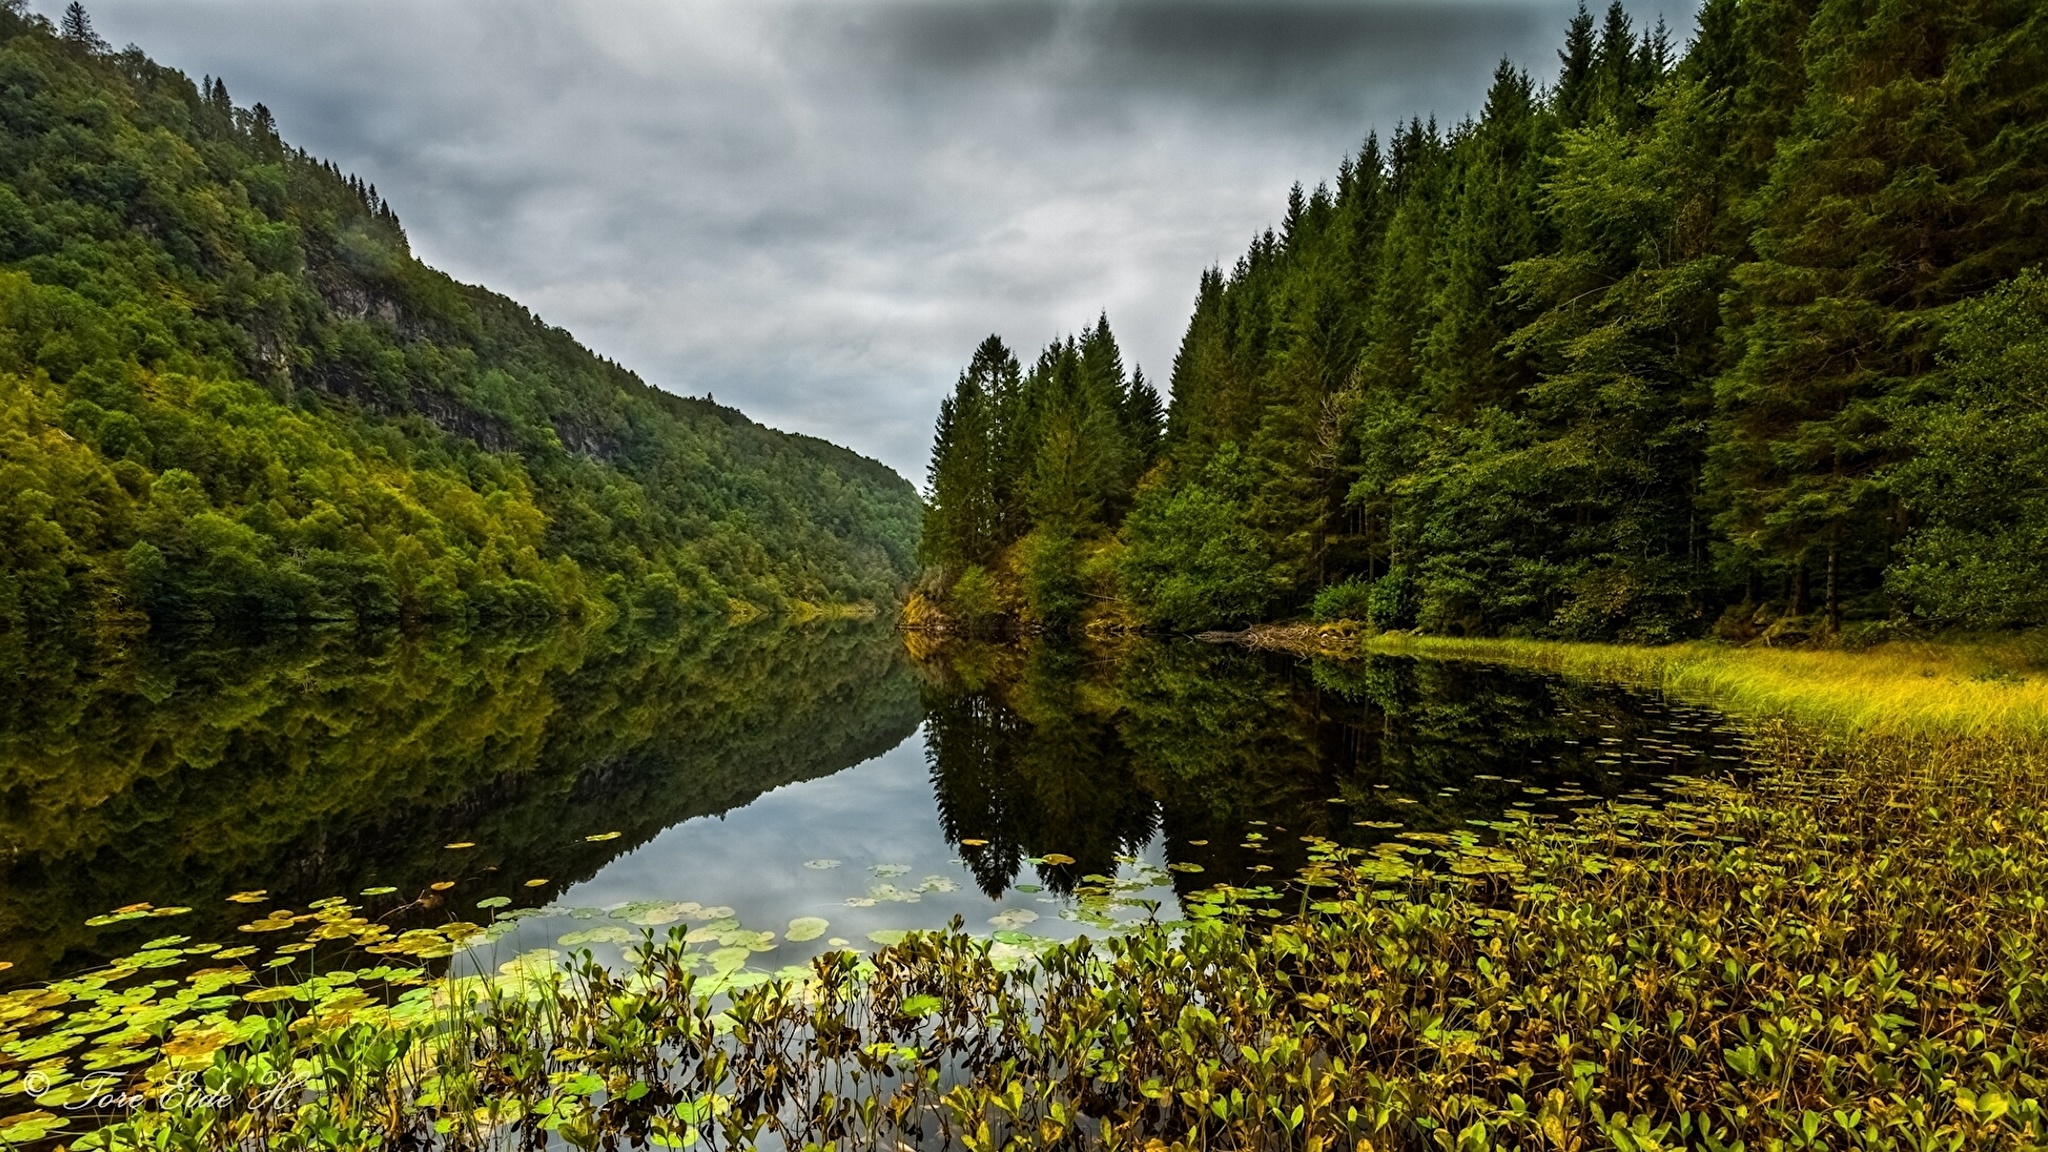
point(1988, 689)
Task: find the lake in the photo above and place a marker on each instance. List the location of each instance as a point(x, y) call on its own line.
point(822, 782)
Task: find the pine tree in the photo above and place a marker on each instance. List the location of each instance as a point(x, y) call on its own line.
point(76, 26)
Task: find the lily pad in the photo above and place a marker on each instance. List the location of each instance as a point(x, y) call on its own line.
point(601, 837)
point(806, 928)
point(821, 865)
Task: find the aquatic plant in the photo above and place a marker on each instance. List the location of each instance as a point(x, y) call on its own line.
point(1844, 951)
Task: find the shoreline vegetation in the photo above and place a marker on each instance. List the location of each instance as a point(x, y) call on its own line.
point(1994, 688)
point(1839, 949)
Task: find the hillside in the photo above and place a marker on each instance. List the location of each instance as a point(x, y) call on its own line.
point(228, 391)
point(1748, 338)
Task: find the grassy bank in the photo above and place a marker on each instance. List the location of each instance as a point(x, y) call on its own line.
point(1844, 950)
point(1992, 689)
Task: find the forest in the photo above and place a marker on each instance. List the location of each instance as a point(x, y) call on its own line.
point(1746, 337)
point(228, 391)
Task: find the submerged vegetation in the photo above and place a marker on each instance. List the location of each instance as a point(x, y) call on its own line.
point(1743, 339)
point(228, 390)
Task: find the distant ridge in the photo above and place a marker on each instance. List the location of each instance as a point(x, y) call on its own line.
point(229, 391)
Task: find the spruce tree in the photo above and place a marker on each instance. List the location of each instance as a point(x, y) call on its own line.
point(1910, 181)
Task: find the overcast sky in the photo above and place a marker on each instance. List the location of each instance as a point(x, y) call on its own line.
point(814, 209)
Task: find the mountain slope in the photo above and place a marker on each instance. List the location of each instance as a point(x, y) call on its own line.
point(228, 390)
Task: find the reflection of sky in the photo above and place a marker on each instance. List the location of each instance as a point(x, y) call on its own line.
point(754, 860)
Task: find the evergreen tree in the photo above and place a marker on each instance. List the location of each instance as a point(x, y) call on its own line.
point(1911, 179)
point(76, 26)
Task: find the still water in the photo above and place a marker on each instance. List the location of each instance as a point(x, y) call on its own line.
point(587, 784)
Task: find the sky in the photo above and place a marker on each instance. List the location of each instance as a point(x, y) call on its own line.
point(815, 209)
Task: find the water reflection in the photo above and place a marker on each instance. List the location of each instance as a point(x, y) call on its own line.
point(1231, 757)
point(182, 769)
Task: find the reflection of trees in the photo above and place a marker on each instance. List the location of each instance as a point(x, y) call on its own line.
point(178, 772)
point(1037, 749)
point(1025, 756)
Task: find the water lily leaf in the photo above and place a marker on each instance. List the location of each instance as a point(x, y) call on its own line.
point(531, 964)
point(887, 870)
point(1057, 858)
point(729, 959)
point(603, 836)
point(253, 896)
point(821, 865)
point(380, 890)
point(536, 882)
point(806, 928)
point(605, 934)
point(922, 1005)
point(494, 902)
point(888, 936)
point(272, 994)
point(838, 942)
point(29, 1127)
point(656, 915)
point(442, 885)
point(1013, 917)
point(460, 844)
point(972, 843)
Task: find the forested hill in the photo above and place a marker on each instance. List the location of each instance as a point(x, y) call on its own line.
point(1748, 338)
point(228, 390)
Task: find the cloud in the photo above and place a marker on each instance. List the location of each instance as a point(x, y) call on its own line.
point(814, 209)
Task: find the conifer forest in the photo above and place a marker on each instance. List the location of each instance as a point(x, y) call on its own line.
point(1740, 340)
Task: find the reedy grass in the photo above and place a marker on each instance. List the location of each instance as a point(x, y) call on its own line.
point(1992, 689)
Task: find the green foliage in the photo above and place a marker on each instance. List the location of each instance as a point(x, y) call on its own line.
point(1194, 559)
point(975, 595)
point(1617, 357)
point(1979, 477)
point(228, 390)
point(1030, 470)
point(1351, 600)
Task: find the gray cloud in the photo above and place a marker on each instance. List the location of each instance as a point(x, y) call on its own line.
point(815, 208)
